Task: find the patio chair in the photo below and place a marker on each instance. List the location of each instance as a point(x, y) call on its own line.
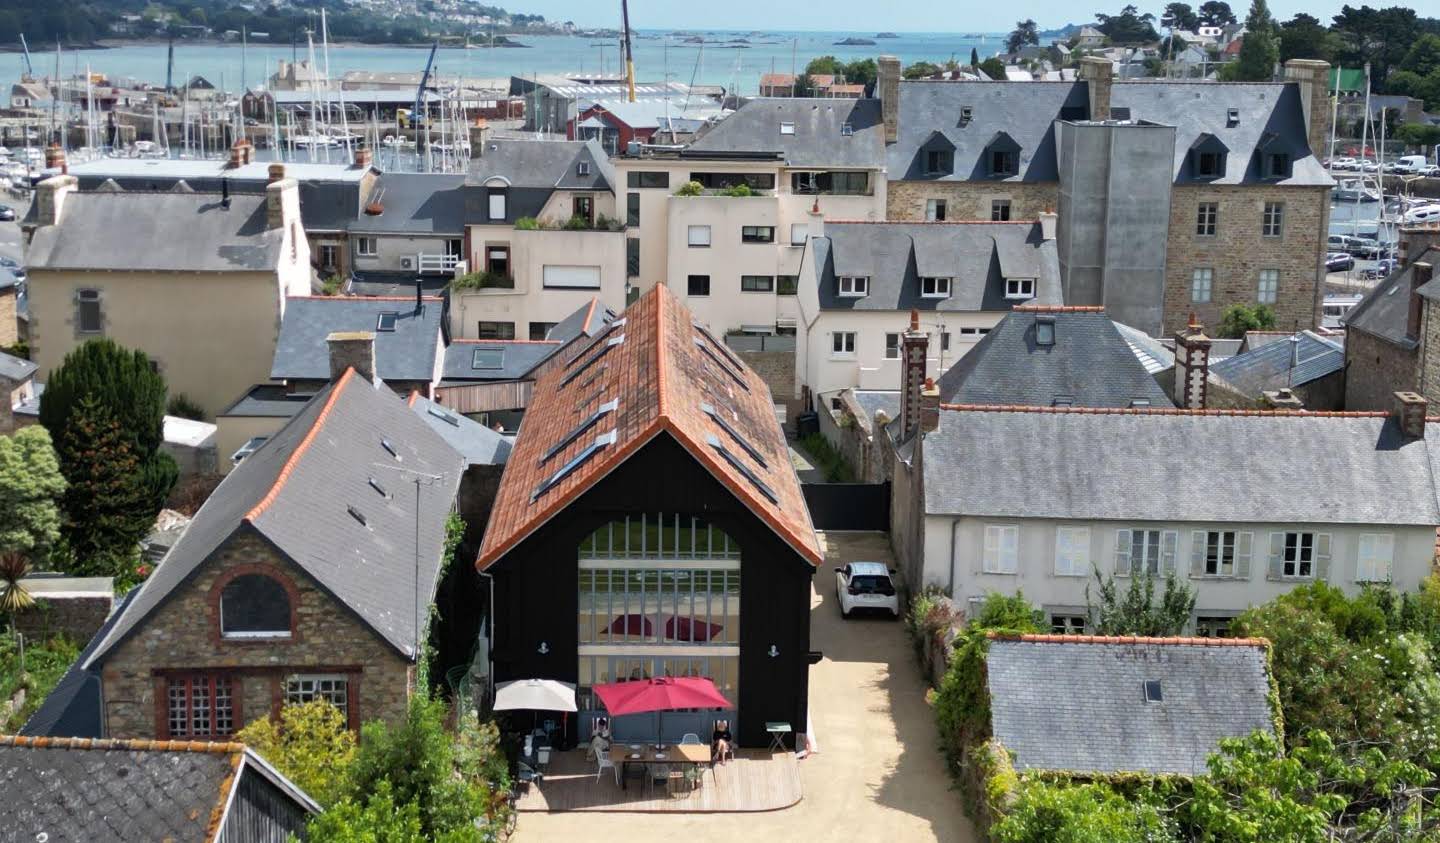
point(690, 739)
point(601, 762)
point(695, 776)
point(677, 783)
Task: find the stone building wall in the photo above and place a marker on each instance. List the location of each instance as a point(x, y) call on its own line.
point(183, 636)
point(1429, 358)
point(970, 200)
point(9, 321)
point(1375, 370)
point(1238, 252)
point(75, 617)
point(776, 368)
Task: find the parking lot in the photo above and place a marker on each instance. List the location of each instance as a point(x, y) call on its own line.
point(878, 774)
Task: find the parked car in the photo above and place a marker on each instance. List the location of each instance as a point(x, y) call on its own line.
point(866, 586)
point(1339, 262)
point(7, 213)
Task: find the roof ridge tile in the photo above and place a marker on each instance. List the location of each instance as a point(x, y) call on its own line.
point(294, 458)
point(130, 744)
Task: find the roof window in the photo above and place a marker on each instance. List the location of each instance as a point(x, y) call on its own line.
point(1045, 330)
point(787, 127)
point(618, 323)
point(700, 344)
point(1232, 116)
point(357, 515)
point(389, 449)
point(251, 446)
point(487, 358)
point(590, 361)
point(1139, 402)
point(744, 469)
point(444, 415)
point(724, 425)
point(601, 442)
point(1152, 691)
point(375, 484)
point(846, 130)
point(386, 321)
point(1063, 401)
point(700, 326)
point(600, 412)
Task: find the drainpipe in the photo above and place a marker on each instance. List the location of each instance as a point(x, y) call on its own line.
point(954, 540)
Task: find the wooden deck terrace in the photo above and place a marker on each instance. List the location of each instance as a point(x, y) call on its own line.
point(756, 780)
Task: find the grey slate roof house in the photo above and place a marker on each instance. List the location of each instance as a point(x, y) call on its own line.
point(409, 343)
point(64, 790)
point(814, 133)
point(528, 171)
point(303, 571)
point(1386, 334)
point(1130, 705)
point(1310, 366)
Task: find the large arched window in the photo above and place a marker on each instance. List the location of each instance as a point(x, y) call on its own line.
point(254, 606)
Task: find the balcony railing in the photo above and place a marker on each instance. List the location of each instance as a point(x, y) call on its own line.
point(436, 264)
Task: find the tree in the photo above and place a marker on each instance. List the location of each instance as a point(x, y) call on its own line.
point(1237, 319)
point(1216, 13)
point(31, 486)
point(1137, 612)
point(824, 66)
point(1382, 37)
point(993, 68)
point(1026, 32)
point(974, 57)
point(375, 819)
point(921, 70)
point(106, 511)
point(1417, 135)
point(1304, 37)
point(1180, 16)
point(311, 744)
point(1258, 50)
point(1060, 812)
point(1128, 27)
point(861, 72)
point(804, 86)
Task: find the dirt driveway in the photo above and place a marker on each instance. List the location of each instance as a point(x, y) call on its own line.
point(878, 775)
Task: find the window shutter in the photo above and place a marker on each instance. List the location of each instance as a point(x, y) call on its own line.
point(1277, 555)
point(1169, 542)
point(1009, 549)
point(1366, 551)
point(1197, 553)
point(1062, 548)
point(1122, 553)
point(991, 550)
point(1322, 556)
point(1242, 555)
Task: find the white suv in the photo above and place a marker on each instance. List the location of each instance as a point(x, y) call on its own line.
point(866, 586)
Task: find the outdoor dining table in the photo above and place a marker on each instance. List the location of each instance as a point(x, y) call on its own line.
point(624, 756)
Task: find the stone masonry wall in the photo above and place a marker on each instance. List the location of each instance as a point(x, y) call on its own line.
point(776, 368)
point(1429, 362)
point(1238, 252)
point(1375, 370)
point(77, 618)
point(9, 322)
point(183, 635)
point(970, 200)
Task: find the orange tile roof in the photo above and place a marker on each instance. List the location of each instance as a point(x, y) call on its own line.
point(661, 373)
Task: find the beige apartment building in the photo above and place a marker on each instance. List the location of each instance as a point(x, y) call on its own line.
point(197, 281)
point(736, 260)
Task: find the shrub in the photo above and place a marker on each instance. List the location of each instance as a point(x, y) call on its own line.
point(690, 188)
point(527, 224)
point(739, 190)
point(828, 459)
point(311, 744)
point(482, 279)
point(929, 617)
point(31, 488)
point(1054, 812)
point(183, 406)
point(1137, 613)
point(1237, 319)
point(330, 286)
point(45, 663)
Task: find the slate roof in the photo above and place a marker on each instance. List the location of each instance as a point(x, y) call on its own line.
point(1269, 366)
point(976, 256)
point(1197, 108)
point(390, 283)
point(1153, 354)
point(1077, 703)
point(1131, 465)
point(659, 368)
point(1089, 363)
point(588, 321)
point(1027, 111)
point(476, 443)
point(296, 491)
point(64, 790)
point(518, 359)
point(140, 231)
point(1384, 312)
point(72, 708)
point(817, 140)
point(404, 354)
point(16, 369)
point(424, 204)
point(542, 164)
point(267, 400)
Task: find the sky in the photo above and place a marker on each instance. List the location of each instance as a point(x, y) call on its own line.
point(864, 15)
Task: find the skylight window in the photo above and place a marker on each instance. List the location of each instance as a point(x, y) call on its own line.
point(1063, 401)
point(730, 355)
point(600, 412)
point(375, 484)
point(846, 130)
point(744, 469)
point(1139, 402)
point(700, 344)
point(602, 441)
point(445, 416)
point(390, 449)
point(590, 361)
point(1153, 692)
point(734, 434)
point(487, 358)
point(386, 321)
point(357, 515)
point(618, 323)
point(1045, 330)
point(787, 127)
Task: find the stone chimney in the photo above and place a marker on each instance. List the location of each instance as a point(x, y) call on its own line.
point(887, 88)
point(1099, 75)
point(914, 345)
point(241, 153)
point(282, 201)
point(1313, 78)
point(1410, 411)
point(1192, 366)
point(55, 159)
point(1048, 219)
point(275, 172)
point(362, 157)
point(50, 198)
point(1414, 241)
point(1283, 398)
point(817, 220)
point(352, 349)
point(929, 406)
point(1420, 275)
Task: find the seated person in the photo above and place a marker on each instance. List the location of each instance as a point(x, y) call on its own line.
point(721, 742)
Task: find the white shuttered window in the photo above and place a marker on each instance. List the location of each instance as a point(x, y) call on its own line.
point(1002, 549)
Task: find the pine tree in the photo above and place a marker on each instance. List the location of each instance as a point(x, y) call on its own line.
point(974, 57)
point(1258, 51)
point(107, 507)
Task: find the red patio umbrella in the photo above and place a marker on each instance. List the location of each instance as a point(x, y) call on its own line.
point(690, 629)
point(632, 624)
point(663, 693)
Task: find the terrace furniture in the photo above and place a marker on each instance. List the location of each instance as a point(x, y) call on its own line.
point(778, 730)
point(689, 738)
point(602, 761)
point(648, 759)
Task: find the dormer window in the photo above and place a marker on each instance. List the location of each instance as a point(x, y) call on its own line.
point(1207, 157)
point(1019, 288)
point(787, 128)
point(854, 286)
point(1002, 156)
point(1277, 165)
point(1209, 165)
point(582, 168)
point(967, 114)
point(1232, 116)
point(935, 288)
point(938, 161)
